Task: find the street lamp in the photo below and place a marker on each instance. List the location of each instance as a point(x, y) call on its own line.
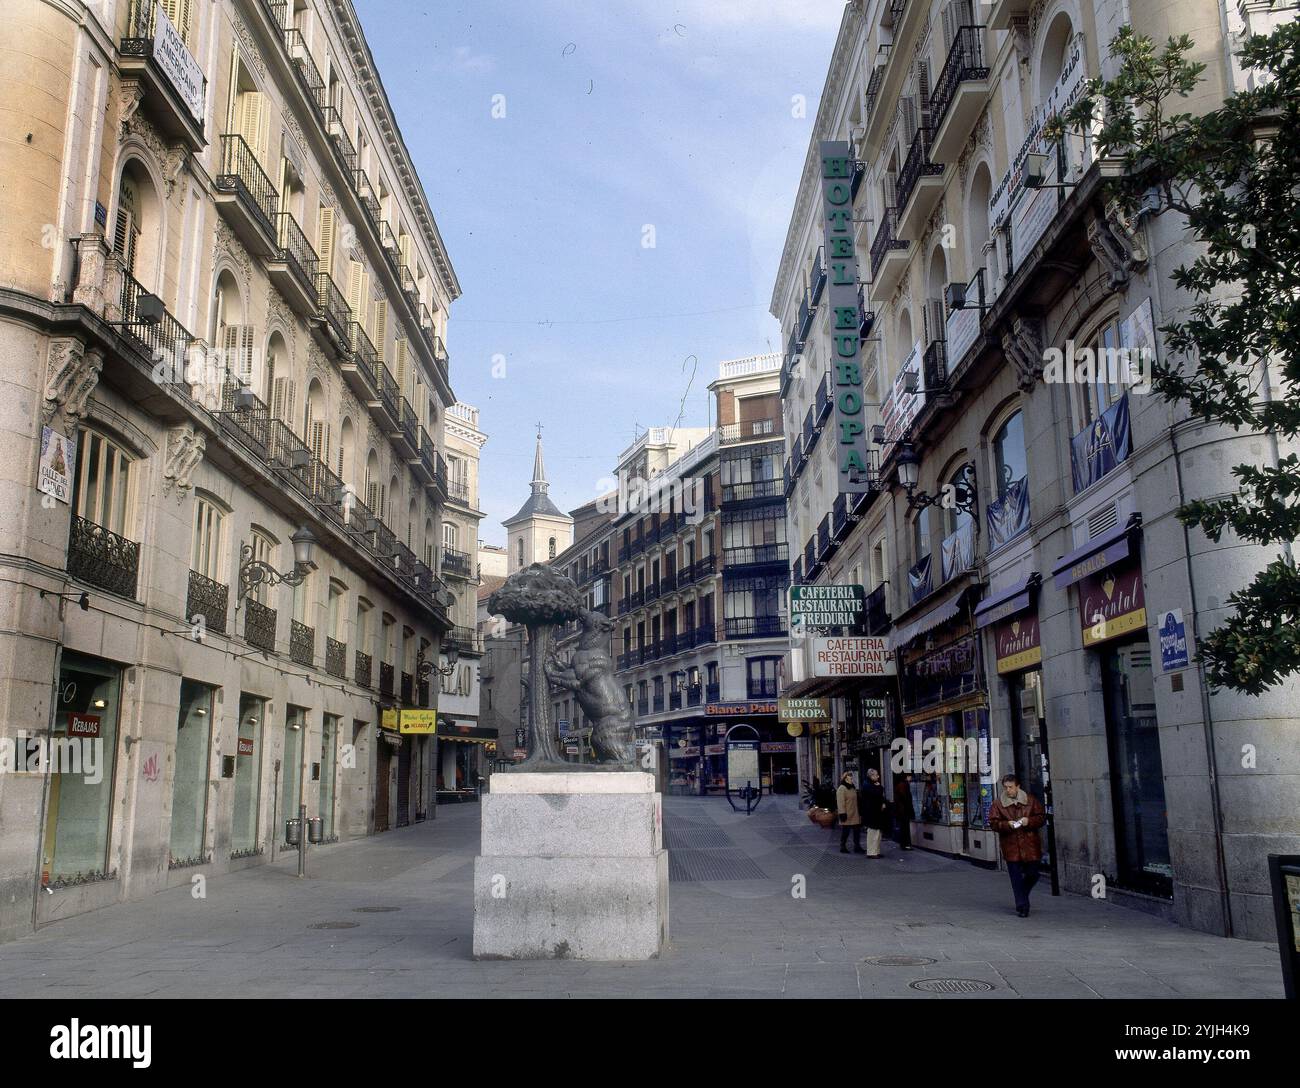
point(424, 669)
point(958, 496)
point(254, 573)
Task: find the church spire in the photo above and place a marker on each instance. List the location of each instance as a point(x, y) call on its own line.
point(539, 470)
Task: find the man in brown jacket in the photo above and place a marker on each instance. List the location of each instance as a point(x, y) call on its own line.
point(846, 800)
point(1016, 816)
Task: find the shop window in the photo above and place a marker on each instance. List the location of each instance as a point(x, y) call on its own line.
point(248, 775)
point(295, 730)
point(78, 818)
point(190, 783)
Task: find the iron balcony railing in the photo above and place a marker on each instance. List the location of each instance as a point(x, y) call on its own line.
point(731, 433)
point(652, 591)
point(465, 639)
point(643, 705)
point(440, 472)
point(259, 624)
point(916, 165)
point(139, 42)
point(103, 558)
point(755, 555)
point(936, 366)
point(658, 703)
point(339, 138)
point(805, 319)
point(278, 10)
point(886, 240)
point(366, 194)
point(824, 400)
point(810, 564)
point(243, 175)
point(706, 634)
point(163, 339)
point(407, 282)
point(388, 392)
point(675, 700)
point(336, 657)
point(685, 574)
point(817, 278)
point(965, 61)
point(635, 599)
point(334, 308)
point(866, 316)
point(407, 688)
point(796, 571)
point(364, 356)
point(712, 692)
point(458, 491)
point(877, 610)
point(308, 74)
point(246, 419)
point(825, 544)
point(302, 643)
point(361, 669)
point(705, 567)
point(755, 626)
point(296, 251)
point(385, 678)
point(410, 425)
point(840, 516)
point(457, 562)
point(208, 599)
point(694, 695)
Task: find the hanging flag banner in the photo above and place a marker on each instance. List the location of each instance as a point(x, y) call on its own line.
point(850, 418)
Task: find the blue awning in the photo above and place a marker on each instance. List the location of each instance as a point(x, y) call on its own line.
point(1098, 554)
point(1018, 598)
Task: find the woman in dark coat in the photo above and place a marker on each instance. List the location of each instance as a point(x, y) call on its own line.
point(871, 804)
point(904, 810)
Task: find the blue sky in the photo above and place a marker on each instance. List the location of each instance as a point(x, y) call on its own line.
point(618, 115)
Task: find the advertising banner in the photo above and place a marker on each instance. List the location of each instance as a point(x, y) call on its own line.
point(853, 657)
point(1111, 604)
point(1018, 644)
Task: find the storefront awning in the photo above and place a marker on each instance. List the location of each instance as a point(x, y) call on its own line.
point(1098, 554)
point(465, 732)
point(946, 608)
point(1018, 598)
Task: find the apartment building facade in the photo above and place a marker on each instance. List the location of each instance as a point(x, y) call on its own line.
point(701, 577)
point(1019, 547)
point(228, 298)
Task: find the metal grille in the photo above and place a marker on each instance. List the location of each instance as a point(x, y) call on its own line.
point(208, 599)
point(102, 558)
point(951, 985)
point(704, 865)
point(259, 625)
point(302, 643)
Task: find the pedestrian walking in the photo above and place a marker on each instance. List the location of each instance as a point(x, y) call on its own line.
point(904, 810)
point(846, 801)
point(874, 814)
point(1016, 816)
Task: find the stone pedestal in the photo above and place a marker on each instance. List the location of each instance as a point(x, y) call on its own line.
point(572, 867)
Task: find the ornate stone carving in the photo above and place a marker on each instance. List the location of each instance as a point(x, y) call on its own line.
point(229, 245)
point(248, 45)
point(1023, 36)
point(185, 449)
point(1023, 344)
point(172, 158)
point(1118, 243)
point(71, 374)
point(132, 94)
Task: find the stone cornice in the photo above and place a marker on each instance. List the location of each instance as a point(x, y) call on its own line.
point(368, 82)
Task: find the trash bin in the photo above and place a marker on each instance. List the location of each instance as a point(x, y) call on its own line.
point(315, 829)
point(293, 832)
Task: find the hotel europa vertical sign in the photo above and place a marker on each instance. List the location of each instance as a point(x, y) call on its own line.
point(842, 294)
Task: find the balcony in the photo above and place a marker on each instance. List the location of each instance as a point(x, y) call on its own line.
point(920, 184)
point(175, 89)
point(305, 66)
point(163, 339)
point(936, 367)
point(457, 564)
point(668, 583)
point(1003, 11)
point(824, 402)
point(336, 658)
point(366, 194)
point(102, 558)
point(458, 492)
point(652, 591)
point(635, 599)
point(259, 625)
point(334, 315)
point(425, 465)
point(385, 678)
point(877, 611)
point(245, 420)
point(407, 691)
point(465, 639)
point(694, 695)
point(827, 545)
point(866, 316)
point(804, 322)
point(755, 627)
point(712, 692)
point(293, 268)
point(407, 438)
point(810, 564)
point(659, 703)
point(731, 433)
point(339, 139)
point(440, 476)
point(360, 365)
point(705, 567)
point(959, 94)
point(207, 599)
point(796, 571)
point(753, 489)
point(247, 197)
point(388, 239)
point(706, 634)
point(817, 278)
point(643, 706)
point(755, 555)
point(386, 407)
point(888, 257)
point(675, 700)
point(302, 643)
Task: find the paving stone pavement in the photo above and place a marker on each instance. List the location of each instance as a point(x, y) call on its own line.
point(404, 901)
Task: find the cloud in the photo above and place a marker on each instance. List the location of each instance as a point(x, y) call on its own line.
point(464, 59)
point(716, 14)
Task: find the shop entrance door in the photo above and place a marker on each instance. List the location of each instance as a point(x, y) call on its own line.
point(1030, 760)
point(404, 783)
point(383, 763)
point(1136, 772)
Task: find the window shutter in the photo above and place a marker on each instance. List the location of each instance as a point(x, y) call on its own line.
point(401, 360)
point(319, 440)
point(325, 239)
point(381, 326)
point(355, 273)
point(404, 247)
point(282, 398)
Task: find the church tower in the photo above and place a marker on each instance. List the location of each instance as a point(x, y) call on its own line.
point(540, 530)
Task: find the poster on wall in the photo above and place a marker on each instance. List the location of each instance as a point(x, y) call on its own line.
point(1173, 640)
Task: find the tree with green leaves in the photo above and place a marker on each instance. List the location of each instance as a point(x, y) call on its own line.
point(1234, 358)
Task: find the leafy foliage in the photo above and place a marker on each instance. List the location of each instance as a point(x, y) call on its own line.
point(1234, 173)
point(537, 596)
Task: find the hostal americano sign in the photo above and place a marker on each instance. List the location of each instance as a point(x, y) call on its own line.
point(842, 294)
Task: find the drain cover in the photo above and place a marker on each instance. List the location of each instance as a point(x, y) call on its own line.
point(334, 925)
point(951, 985)
point(373, 910)
point(898, 961)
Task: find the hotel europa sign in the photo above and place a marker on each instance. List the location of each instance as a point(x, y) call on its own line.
point(842, 295)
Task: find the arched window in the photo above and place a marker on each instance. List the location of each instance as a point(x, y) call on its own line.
point(347, 453)
point(374, 488)
point(982, 249)
point(521, 551)
point(1052, 59)
point(316, 428)
point(264, 547)
point(230, 329)
point(207, 553)
point(937, 281)
point(338, 593)
point(137, 227)
point(1010, 464)
point(430, 560)
point(277, 381)
point(102, 493)
point(551, 548)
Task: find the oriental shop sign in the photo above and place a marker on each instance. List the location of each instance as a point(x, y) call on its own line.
point(842, 294)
